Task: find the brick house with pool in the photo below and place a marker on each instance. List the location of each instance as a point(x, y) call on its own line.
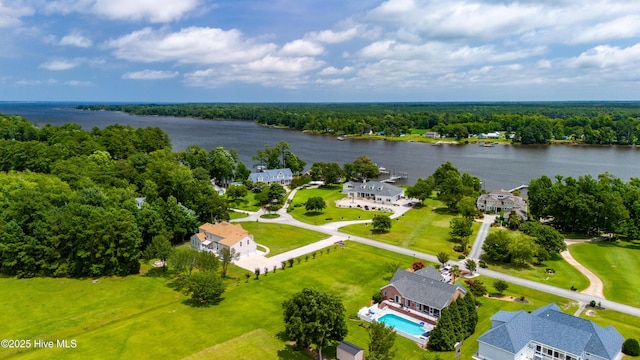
point(423, 292)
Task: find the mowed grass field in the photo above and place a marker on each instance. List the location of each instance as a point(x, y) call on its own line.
point(617, 264)
point(423, 228)
point(281, 238)
point(564, 277)
point(331, 213)
point(142, 317)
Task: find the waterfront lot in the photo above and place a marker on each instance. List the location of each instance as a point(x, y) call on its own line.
point(331, 213)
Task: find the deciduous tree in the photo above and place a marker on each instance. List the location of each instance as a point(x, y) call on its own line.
point(313, 317)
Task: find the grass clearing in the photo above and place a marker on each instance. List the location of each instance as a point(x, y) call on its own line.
point(564, 277)
point(616, 264)
point(141, 317)
point(424, 228)
point(281, 238)
point(248, 203)
point(331, 212)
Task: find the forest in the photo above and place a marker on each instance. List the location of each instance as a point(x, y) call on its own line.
point(76, 203)
point(597, 123)
point(587, 205)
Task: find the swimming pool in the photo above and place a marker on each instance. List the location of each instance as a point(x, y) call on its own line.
point(402, 324)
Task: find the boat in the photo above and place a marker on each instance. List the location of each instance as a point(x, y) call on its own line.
point(342, 138)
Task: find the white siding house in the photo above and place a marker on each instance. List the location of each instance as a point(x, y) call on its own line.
point(376, 191)
point(215, 237)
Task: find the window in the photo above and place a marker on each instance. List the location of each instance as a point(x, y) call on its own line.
point(398, 299)
point(247, 241)
point(408, 302)
point(240, 243)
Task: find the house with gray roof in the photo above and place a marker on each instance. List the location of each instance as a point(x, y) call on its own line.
point(424, 291)
point(547, 334)
point(376, 191)
point(502, 200)
point(270, 176)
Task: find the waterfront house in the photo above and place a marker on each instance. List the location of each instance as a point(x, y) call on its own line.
point(501, 200)
point(431, 135)
point(224, 235)
point(424, 291)
point(491, 135)
point(376, 191)
point(270, 176)
point(547, 334)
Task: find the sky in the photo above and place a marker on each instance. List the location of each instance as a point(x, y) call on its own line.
point(319, 50)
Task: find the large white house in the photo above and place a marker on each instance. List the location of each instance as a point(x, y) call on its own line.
point(270, 176)
point(215, 237)
point(547, 334)
point(376, 191)
point(502, 200)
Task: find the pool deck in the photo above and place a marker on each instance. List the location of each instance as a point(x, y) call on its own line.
point(373, 312)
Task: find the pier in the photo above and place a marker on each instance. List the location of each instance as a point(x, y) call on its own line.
point(523, 186)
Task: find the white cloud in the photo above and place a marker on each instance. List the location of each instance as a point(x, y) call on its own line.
point(333, 37)
point(193, 45)
point(77, 83)
point(67, 64)
point(302, 48)
point(60, 64)
point(150, 75)
point(157, 11)
point(274, 64)
point(619, 28)
point(335, 71)
point(75, 39)
point(10, 15)
point(607, 57)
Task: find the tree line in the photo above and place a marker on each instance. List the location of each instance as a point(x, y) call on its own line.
point(587, 205)
point(530, 123)
point(76, 203)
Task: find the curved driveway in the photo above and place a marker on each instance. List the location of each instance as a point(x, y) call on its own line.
point(333, 230)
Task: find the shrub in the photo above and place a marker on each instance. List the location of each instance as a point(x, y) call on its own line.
point(377, 298)
point(482, 264)
point(461, 256)
point(592, 303)
point(631, 347)
point(417, 265)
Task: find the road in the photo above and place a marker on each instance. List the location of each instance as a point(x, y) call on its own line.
point(333, 230)
point(476, 249)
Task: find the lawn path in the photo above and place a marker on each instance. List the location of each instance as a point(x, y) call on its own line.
point(596, 287)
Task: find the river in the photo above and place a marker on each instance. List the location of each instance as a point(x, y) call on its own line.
point(499, 167)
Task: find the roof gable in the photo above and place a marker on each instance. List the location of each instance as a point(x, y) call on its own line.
point(229, 233)
point(550, 326)
point(423, 289)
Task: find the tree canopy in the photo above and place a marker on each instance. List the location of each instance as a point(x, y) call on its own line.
point(314, 317)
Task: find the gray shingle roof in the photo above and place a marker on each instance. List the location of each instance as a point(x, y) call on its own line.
point(350, 348)
point(423, 287)
point(272, 175)
point(550, 326)
point(376, 188)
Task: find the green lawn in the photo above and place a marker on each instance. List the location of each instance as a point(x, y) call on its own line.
point(280, 238)
point(248, 203)
point(564, 277)
point(141, 317)
point(617, 264)
point(424, 228)
point(331, 213)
